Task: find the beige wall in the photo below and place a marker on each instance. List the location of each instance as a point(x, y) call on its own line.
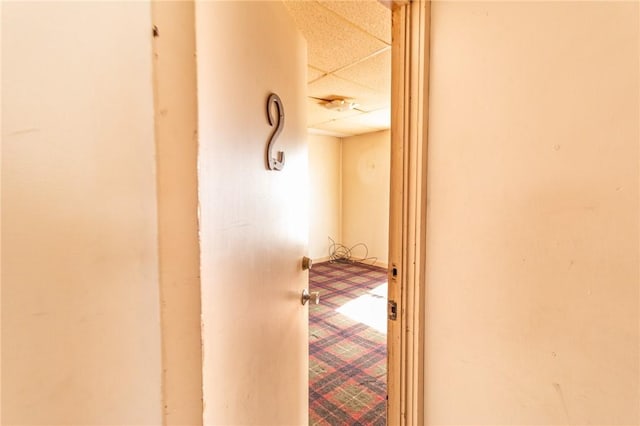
point(325, 194)
point(80, 313)
point(365, 193)
point(349, 188)
point(532, 236)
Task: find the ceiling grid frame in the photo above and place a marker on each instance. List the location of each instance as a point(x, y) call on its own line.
point(358, 71)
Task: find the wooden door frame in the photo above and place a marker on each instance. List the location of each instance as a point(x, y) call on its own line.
point(407, 211)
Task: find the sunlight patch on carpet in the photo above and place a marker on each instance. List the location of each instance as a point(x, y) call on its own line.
point(369, 309)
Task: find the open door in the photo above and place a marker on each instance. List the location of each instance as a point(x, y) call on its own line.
point(253, 220)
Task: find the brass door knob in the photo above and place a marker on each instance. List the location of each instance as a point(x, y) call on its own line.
point(314, 296)
point(307, 263)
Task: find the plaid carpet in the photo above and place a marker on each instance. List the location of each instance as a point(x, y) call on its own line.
point(348, 345)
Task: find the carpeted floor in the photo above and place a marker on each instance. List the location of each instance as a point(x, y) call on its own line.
point(348, 345)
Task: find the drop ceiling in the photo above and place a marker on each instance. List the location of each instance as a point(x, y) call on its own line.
point(349, 57)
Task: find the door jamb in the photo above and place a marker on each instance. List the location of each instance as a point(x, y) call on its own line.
point(408, 207)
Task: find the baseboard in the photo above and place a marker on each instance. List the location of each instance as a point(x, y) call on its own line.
point(377, 263)
point(381, 265)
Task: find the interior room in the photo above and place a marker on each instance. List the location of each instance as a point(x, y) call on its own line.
point(349, 184)
point(349, 94)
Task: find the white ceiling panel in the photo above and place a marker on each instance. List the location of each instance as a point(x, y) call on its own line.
point(321, 132)
point(370, 15)
point(374, 72)
point(332, 43)
point(346, 127)
point(380, 119)
point(314, 74)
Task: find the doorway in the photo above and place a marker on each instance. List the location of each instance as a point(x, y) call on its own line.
point(409, 61)
point(348, 354)
point(349, 84)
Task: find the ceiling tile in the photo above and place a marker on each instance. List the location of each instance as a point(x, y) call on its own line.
point(332, 43)
point(346, 127)
point(314, 73)
point(313, 131)
point(333, 86)
point(370, 15)
point(380, 119)
point(374, 73)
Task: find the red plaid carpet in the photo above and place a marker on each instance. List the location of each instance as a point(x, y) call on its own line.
point(348, 345)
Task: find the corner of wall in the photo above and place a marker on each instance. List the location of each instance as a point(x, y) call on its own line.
point(176, 121)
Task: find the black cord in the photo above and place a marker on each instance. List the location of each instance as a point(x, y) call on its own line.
point(341, 253)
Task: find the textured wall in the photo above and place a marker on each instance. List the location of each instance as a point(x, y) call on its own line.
point(365, 193)
point(532, 235)
point(80, 302)
point(325, 194)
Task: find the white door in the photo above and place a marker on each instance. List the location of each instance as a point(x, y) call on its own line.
point(253, 221)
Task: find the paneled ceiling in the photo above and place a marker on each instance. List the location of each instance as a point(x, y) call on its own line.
point(349, 58)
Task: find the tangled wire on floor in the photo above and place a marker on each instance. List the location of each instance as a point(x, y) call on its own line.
point(341, 253)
